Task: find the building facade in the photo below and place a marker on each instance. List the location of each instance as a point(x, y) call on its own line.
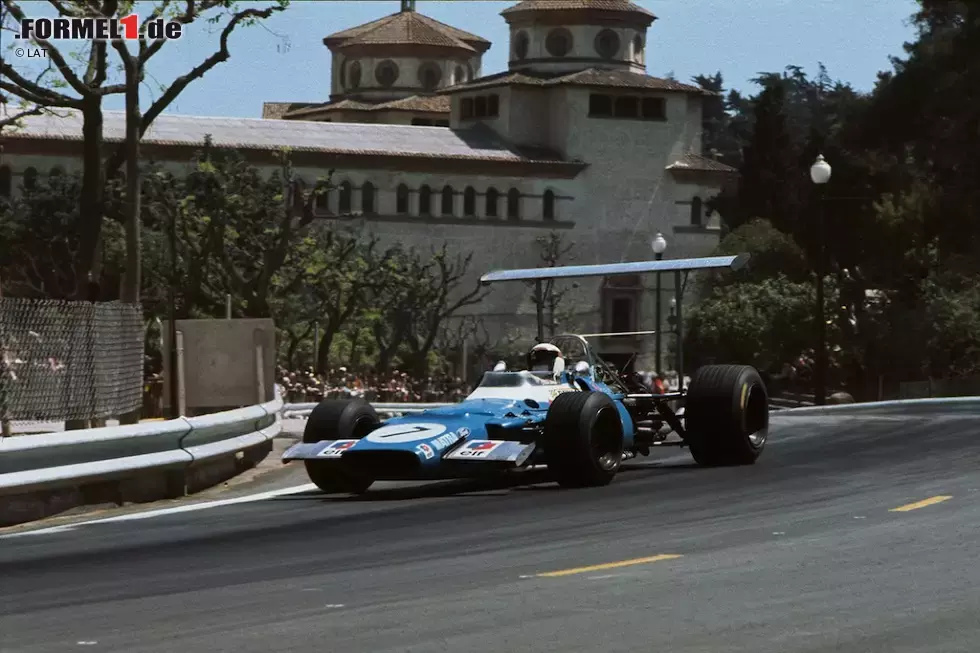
point(573, 138)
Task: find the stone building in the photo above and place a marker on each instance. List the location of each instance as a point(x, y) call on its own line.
point(574, 138)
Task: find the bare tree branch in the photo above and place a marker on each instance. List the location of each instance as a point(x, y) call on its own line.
point(11, 120)
point(220, 55)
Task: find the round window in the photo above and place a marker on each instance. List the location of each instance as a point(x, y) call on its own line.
point(607, 44)
point(430, 74)
point(355, 74)
point(386, 73)
point(559, 42)
point(521, 44)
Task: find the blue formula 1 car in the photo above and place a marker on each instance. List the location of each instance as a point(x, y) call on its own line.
point(580, 417)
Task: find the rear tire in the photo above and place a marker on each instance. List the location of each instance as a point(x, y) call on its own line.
point(726, 415)
point(339, 419)
point(583, 437)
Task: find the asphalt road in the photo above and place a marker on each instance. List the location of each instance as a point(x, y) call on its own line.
point(801, 552)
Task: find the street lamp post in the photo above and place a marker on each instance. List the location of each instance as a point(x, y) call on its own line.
point(659, 245)
point(820, 173)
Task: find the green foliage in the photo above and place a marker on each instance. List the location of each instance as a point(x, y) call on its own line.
point(771, 252)
point(40, 241)
point(763, 323)
point(900, 217)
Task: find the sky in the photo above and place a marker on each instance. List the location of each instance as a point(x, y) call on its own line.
point(284, 59)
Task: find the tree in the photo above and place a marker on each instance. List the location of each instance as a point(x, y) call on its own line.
point(240, 232)
point(723, 120)
point(134, 66)
point(85, 91)
point(343, 270)
point(70, 89)
point(424, 290)
point(40, 252)
point(768, 175)
point(552, 251)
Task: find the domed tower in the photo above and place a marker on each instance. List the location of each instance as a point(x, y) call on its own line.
point(401, 55)
point(560, 36)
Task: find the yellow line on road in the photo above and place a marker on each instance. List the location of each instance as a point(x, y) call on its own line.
point(931, 501)
point(608, 565)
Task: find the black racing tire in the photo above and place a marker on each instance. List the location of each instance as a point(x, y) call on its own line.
point(583, 439)
point(339, 419)
point(726, 415)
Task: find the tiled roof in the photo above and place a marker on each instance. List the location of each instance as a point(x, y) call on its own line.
point(408, 27)
point(429, 103)
point(273, 110)
point(700, 163)
point(475, 144)
point(590, 77)
point(348, 105)
point(565, 5)
point(598, 77)
point(425, 103)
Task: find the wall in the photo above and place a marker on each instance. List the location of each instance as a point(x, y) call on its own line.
point(628, 196)
point(220, 362)
point(583, 48)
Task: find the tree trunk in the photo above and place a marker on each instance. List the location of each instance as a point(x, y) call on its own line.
point(131, 280)
point(323, 353)
point(131, 284)
point(90, 204)
point(90, 212)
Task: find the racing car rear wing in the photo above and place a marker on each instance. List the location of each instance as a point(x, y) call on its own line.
point(677, 266)
point(614, 269)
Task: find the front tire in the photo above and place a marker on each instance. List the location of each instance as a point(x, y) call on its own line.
point(726, 415)
point(339, 419)
point(583, 437)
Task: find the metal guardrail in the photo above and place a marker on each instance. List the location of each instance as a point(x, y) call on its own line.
point(304, 410)
point(52, 461)
point(903, 407)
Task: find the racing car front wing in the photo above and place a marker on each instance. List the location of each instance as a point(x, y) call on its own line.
point(507, 452)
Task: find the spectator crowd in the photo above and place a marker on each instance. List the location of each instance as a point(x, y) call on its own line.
point(394, 387)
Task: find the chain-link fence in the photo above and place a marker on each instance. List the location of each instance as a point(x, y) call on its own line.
point(69, 360)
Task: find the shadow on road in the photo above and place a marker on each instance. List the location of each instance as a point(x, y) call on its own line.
point(499, 484)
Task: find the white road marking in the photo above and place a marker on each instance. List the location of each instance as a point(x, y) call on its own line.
point(334, 605)
point(859, 517)
point(779, 533)
point(150, 514)
point(604, 576)
point(87, 643)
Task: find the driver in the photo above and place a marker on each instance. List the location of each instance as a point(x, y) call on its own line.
point(542, 357)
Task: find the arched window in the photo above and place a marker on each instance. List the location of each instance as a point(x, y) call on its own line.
point(549, 205)
point(469, 202)
point(401, 199)
point(30, 178)
point(697, 209)
point(514, 204)
point(367, 198)
point(492, 198)
point(6, 181)
point(56, 171)
point(425, 200)
point(448, 197)
point(321, 203)
point(346, 198)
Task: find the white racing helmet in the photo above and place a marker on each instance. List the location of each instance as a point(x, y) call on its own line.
point(542, 357)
